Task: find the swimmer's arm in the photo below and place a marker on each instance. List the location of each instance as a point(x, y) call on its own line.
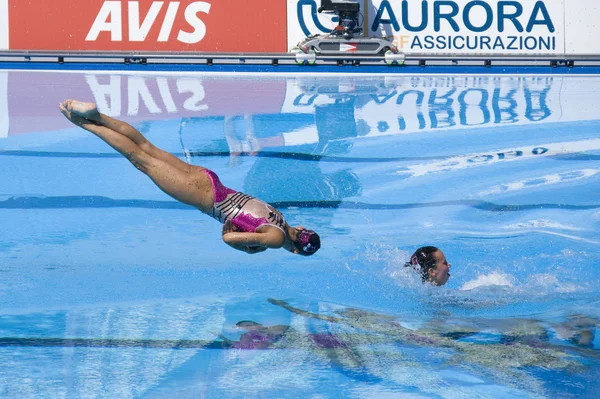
point(304, 313)
point(254, 242)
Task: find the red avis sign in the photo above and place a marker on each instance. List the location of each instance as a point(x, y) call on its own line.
point(120, 25)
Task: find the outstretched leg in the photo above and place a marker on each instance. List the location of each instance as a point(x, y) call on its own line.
point(90, 112)
point(191, 186)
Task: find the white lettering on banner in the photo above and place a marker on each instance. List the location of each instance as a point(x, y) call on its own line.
point(108, 95)
point(109, 19)
point(167, 26)
point(200, 28)
point(110, 11)
point(138, 33)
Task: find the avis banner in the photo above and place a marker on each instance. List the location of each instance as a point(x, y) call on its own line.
point(120, 25)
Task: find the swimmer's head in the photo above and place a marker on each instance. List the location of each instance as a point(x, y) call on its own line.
point(307, 242)
point(431, 264)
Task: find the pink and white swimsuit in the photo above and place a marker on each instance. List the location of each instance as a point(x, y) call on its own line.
point(244, 211)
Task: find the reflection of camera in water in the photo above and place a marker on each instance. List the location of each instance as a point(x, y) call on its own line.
point(348, 12)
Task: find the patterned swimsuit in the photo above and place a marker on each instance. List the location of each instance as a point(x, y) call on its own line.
point(244, 211)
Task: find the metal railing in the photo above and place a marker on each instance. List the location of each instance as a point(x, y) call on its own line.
point(208, 59)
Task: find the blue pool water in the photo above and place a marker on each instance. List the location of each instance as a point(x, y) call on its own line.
point(109, 288)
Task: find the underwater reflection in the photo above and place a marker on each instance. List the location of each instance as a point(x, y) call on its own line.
point(367, 346)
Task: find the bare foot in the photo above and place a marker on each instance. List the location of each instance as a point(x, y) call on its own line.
point(85, 110)
point(76, 119)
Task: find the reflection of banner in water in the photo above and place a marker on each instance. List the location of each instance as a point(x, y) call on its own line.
point(422, 104)
point(4, 117)
point(539, 181)
point(134, 97)
point(508, 155)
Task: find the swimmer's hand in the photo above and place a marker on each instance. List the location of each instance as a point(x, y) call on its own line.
point(254, 250)
point(228, 227)
point(252, 243)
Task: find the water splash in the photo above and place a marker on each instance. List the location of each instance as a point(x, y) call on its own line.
point(492, 279)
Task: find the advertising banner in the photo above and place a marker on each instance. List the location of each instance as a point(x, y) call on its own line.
point(123, 25)
point(582, 28)
point(436, 27)
point(495, 27)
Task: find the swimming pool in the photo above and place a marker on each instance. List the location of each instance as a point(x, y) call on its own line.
point(112, 289)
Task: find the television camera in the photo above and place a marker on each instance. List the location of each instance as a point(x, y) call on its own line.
point(347, 12)
point(345, 43)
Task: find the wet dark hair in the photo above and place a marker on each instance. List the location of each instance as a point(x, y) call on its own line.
point(422, 261)
point(307, 243)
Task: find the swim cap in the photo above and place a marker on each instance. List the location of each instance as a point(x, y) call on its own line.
point(308, 242)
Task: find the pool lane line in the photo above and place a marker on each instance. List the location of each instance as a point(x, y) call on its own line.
point(272, 154)
point(100, 202)
point(301, 70)
point(111, 343)
point(267, 154)
point(128, 343)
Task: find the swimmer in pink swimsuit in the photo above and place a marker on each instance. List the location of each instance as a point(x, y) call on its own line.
point(249, 224)
point(244, 212)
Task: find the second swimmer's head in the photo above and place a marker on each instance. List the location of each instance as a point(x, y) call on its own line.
point(307, 242)
point(430, 262)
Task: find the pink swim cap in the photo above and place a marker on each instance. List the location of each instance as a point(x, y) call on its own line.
point(308, 242)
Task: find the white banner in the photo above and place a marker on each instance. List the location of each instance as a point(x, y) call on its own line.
point(453, 27)
point(582, 27)
point(3, 24)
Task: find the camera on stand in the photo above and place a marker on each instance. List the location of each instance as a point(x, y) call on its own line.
point(345, 44)
point(348, 12)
